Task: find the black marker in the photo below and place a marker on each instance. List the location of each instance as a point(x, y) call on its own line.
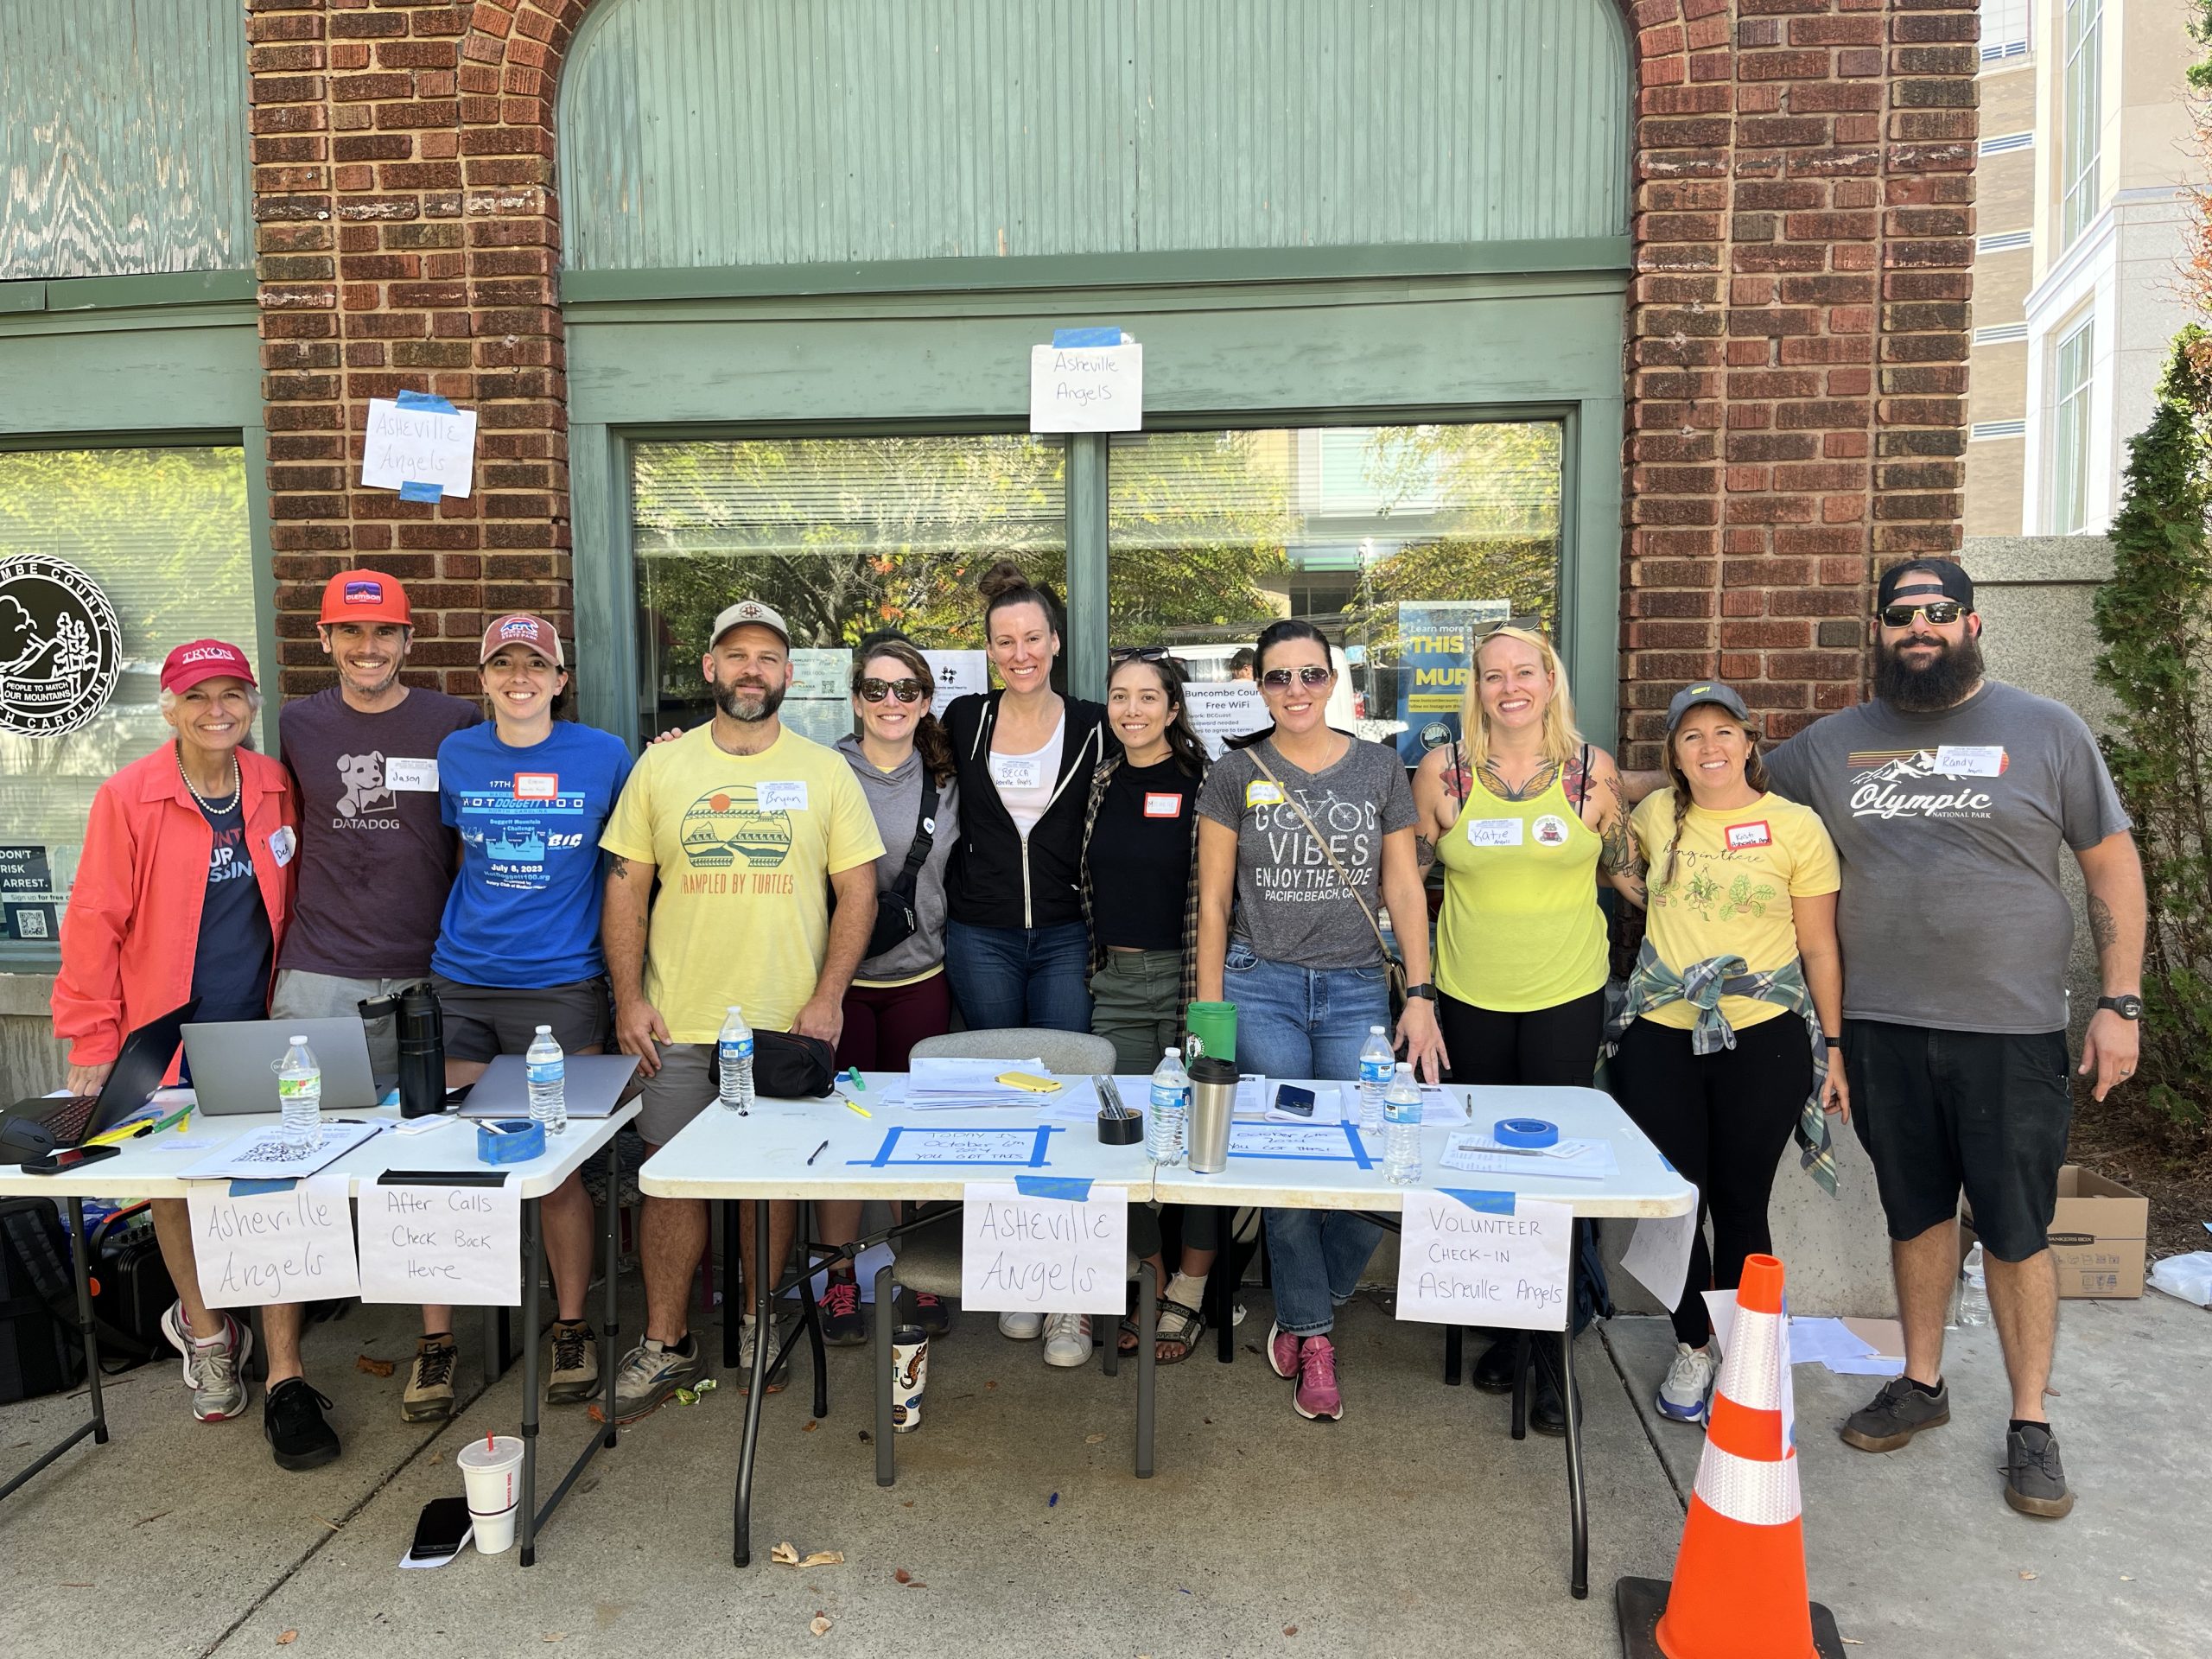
point(817, 1152)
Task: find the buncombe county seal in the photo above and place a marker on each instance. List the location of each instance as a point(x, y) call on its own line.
point(61, 647)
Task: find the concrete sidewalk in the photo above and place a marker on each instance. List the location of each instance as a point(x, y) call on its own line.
point(1414, 1526)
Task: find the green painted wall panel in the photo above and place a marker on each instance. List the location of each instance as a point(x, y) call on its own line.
point(779, 132)
point(132, 370)
point(122, 138)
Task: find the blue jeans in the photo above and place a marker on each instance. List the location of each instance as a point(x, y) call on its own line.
point(1307, 1022)
point(1013, 976)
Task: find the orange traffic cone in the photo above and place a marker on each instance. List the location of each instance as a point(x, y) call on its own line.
point(1738, 1590)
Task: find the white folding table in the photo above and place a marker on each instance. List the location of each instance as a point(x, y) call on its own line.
point(824, 1150)
point(1644, 1186)
point(151, 1166)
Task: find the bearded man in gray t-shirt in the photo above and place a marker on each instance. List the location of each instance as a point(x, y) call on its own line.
point(1949, 796)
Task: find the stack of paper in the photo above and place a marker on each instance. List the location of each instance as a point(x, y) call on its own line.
point(946, 1084)
point(1582, 1161)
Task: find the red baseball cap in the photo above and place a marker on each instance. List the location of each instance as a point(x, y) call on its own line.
point(204, 659)
point(535, 631)
point(365, 596)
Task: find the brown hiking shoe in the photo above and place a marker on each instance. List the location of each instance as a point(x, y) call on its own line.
point(428, 1398)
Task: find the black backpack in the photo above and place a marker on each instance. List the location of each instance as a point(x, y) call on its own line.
point(39, 1352)
point(896, 921)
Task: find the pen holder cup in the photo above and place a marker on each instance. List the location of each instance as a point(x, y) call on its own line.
point(509, 1140)
point(1125, 1130)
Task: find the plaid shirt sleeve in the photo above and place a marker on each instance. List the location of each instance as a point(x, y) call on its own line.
point(1101, 775)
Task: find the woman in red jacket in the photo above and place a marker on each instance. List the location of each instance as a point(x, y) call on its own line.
point(182, 891)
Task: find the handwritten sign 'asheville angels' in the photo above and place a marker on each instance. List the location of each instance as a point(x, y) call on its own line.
point(1021, 1252)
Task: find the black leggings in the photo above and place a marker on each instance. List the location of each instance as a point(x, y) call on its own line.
point(1722, 1120)
point(1554, 1047)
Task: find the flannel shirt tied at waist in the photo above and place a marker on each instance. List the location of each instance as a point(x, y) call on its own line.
point(1702, 984)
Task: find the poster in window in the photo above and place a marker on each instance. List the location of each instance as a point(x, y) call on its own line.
point(61, 647)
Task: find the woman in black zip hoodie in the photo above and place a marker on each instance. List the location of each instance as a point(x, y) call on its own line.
point(1015, 946)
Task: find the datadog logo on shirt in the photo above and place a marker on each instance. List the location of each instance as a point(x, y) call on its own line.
point(365, 593)
point(1882, 787)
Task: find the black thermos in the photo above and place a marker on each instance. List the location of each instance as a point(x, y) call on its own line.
point(422, 1045)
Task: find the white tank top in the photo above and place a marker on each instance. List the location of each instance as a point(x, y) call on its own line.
point(1025, 782)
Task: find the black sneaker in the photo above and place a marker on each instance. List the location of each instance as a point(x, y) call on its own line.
point(932, 1313)
point(1900, 1411)
point(2034, 1483)
point(843, 1324)
point(291, 1418)
point(1494, 1371)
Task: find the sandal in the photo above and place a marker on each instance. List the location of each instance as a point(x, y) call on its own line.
point(1182, 1325)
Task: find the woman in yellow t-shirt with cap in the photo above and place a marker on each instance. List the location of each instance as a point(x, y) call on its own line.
point(1527, 819)
point(1724, 1041)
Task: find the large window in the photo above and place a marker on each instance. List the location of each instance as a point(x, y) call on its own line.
point(2069, 430)
point(2080, 138)
point(108, 558)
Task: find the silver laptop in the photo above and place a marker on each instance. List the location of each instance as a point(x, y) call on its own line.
point(591, 1086)
point(234, 1063)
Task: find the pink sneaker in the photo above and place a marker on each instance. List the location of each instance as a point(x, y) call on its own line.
point(1282, 1351)
point(1316, 1394)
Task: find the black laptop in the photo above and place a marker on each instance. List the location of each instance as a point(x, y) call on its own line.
point(32, 1129)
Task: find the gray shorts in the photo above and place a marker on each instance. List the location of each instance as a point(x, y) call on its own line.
point(677, 1093)
point(300, 995)
point(485, 1021)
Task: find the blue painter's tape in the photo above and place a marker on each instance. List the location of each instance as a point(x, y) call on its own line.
point(1087, 336)
point(1358, 1147)
point(885, 1155)
point(1526, 1132)
point(421, 492)
point(1075, 1188)
point(424, 400)
point(256, 1189)
point(1489, 1203)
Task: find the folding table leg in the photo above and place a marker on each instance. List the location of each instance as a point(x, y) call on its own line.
point(731, 1308)
point(812, 1313)
point(886, 1470)
point(85, 1326)
point(1147, 1362)
point(763, 1310)
point(1522, 1348)
point(610, 1348)
point(533, 1270)
point(1454, 1349)
point(1577, 1499)
point(1221, 1286)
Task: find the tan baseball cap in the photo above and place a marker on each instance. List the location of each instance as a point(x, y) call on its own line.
point(534, 631)
point(749, 610)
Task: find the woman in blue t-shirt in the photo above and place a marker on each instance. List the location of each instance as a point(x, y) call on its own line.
point(518, 946)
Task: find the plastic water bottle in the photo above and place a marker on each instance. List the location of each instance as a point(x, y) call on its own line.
point(1401, 1113)
point(734, 1048)
point(1973, 1294)
point(1171, 1104)
point(299, 1095)
point(547, 1069)
point(1376, 1060)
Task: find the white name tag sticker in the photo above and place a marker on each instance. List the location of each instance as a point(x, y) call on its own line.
point(1263, 794)
point(1163, 806)
point(283, 843)
point(420, 776)
point(1015, 771)
point(1757, 834)
point(1496, 832)
point(783, 797)
point(536, 786)
point(1970, 760)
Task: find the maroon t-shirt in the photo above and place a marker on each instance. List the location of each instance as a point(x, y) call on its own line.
point(375, 857)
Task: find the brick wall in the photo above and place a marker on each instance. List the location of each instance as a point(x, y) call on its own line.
point(1795, 360)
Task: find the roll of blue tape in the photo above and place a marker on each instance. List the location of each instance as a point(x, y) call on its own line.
point(1525, 1132)
point(509, 1140)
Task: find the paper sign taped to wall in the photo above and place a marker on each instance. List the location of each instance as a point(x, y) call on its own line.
point(1086, 388)
point(419, 446)
point(458, 1245)
point(1022, 1253)
point(1501, 1260)
point(294, 1245)
point(955, 674)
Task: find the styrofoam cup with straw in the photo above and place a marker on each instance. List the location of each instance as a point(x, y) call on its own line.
point(490, 1471)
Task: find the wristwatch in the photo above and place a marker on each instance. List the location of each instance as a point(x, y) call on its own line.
point(2126, 1005)
point(1833, 1042)
point(1425, 991)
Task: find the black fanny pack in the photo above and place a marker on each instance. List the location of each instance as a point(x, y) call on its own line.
point(896, 919)
point(784, 1065)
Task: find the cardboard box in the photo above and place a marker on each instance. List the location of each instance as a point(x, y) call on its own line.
point(2097, 1236)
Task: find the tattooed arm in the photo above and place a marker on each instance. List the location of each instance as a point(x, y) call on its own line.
point(1436, 805)
point(1605, 810)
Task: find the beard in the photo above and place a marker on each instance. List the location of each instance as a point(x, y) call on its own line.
point(749, 704)
point(1954, 672)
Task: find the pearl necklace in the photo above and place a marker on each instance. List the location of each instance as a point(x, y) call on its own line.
point(228, 802)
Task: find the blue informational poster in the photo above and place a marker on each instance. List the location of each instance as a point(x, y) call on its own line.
point(1434, 639)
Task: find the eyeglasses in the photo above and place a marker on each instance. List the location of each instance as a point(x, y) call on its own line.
point(905, 690)
point(1312, 674)
point(1938, 611)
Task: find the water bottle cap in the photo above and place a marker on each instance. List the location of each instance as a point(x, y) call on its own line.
point(300, 1039)
point(545, 1031)
point(1374, 1031)
point(733, 1007)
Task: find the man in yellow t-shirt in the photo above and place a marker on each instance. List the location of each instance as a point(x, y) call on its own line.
point(747, 826)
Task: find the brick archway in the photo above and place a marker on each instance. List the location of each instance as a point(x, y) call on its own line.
point(1797, 340)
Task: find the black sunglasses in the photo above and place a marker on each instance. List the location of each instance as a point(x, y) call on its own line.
point(1309, 676)
point(1938, 611)
point(872, 690)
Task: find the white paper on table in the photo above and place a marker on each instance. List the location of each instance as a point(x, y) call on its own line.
point(932, 1082)
point(458, 1245)
point(964, 1146)
point(262, 1155)
point(1254, 1100)
point(1442, 1104)
point(1312, 1143)
point(1024, 1253)
point(293, 1246)
point(1582, 1161)
point(1504, 1265)
point(1658, 1254)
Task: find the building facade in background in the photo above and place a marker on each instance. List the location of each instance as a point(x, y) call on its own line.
point(1649, 321)
point(2088, 167)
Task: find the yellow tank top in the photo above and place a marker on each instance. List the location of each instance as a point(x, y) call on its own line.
point(1521, 928)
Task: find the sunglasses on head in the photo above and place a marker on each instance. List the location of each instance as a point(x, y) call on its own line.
point(905, 690)
point(1309, 676)
point(1938, 611)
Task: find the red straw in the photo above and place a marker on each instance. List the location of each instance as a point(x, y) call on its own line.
point(488, 1444)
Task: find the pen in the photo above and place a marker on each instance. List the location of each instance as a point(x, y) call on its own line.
point(856, 1106)
point(817, 1153)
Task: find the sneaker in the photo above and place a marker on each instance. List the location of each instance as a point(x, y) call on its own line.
point(213, 1370)
point(1282, 1351)
point(779, 1371)
point(1067, 1338)
point(2034, 1483)
point(1022, 1327)
point(1900, 1411)
point(843, 1324)
point(1317, 1396)
point(651, 1372)
point(291, 1419)
point(575, 1363)
point(429, 1394)
point(1688, 1386)
point(932, 1313)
